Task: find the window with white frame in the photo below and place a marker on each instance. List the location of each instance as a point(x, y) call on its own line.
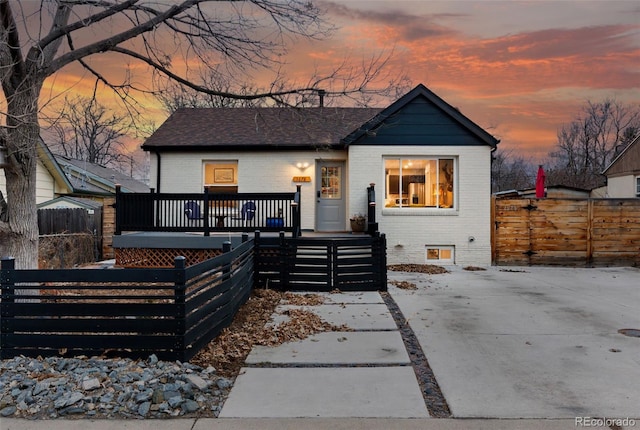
point(637, 186)
point(221, 176)
point(439, 254)
point(418, 182)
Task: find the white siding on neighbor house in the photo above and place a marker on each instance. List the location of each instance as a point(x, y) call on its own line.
point(44, 184)
point(620, 187)
point(409, 232)
point(258, 172)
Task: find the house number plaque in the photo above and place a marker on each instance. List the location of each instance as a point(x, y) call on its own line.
point(302, 179)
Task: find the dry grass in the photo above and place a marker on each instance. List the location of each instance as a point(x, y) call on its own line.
point(65, 250)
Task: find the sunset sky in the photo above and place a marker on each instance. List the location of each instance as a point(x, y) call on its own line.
point(520, 69)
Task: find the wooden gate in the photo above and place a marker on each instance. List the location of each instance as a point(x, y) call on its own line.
point(566, 231)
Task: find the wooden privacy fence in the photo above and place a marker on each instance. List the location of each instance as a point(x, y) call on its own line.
point(172, 313)
point(69, 220)
point(322, 264)
point(573, 232)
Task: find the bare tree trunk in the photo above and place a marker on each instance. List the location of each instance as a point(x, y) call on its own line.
point(19, 235)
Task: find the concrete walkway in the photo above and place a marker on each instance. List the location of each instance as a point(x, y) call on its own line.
point(360, 373)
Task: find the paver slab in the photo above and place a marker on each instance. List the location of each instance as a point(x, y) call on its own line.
point(382, 347)
point(356, 317)
point(326, 392)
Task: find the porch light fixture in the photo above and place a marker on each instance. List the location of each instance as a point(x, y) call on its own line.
point(302, 166)
point(4, 156)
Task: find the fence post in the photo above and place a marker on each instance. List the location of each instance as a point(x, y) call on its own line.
point(382, 241)
point(226, 248)
point(118, 207)
point(180, 302)
point(372, 225)
point(256, 259)
point(283, 262)
point(206, 211)
point(297, 211)
point(7, 283)
point(333, 262)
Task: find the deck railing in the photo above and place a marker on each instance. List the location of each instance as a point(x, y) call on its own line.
point(206, 212)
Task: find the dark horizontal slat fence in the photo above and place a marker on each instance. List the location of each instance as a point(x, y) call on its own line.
point(206, 212)
point(322, 264)
point(130, 312)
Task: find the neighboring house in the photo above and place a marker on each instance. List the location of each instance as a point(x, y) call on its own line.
point(623, 174)
point(66, 202)
point(551, 192)
point(60, 176)
point(94, 179)
point(431, 166)
point(50, 179)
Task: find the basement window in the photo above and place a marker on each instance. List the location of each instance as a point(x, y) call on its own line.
point(637, 186)
point(439, 254)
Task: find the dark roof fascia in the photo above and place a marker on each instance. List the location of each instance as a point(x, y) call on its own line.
point(80, 193)
point(421, 90)
point(615, 160)
point(241, 148)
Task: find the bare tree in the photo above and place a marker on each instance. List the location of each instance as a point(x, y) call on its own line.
point(38, 40)
point(344, 83)
point(87, 130)
point(588, 144)
point(511, 173)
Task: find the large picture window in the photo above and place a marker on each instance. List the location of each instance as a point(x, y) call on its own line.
point(419, 182)
point(221, 176)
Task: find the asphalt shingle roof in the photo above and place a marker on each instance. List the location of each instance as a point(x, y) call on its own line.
point(81, 172)
point(258, 127)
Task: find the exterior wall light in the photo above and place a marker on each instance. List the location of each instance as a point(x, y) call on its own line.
point(302, 166)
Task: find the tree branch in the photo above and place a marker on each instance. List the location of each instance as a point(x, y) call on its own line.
point(111, 42)
point(11, 61)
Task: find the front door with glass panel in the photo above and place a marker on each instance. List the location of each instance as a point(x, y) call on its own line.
point(330, 198)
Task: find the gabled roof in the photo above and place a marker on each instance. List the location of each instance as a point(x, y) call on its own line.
point(84, 203)
point(447, 114)
point(252, 128)
point(90, 178)
point(49, 162)
point(626, 162)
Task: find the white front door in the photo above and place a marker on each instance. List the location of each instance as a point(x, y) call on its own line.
point(330, 198)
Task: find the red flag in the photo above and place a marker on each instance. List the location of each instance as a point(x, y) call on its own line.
point(540, 183)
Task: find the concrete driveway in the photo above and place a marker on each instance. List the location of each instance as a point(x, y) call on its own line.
point(530, 342)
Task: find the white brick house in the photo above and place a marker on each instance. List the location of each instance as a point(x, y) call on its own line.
point(431, 166)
